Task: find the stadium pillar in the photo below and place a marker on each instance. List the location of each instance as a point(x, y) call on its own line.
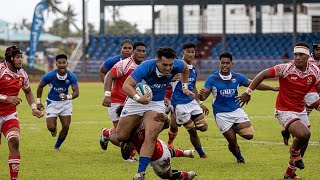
point(102, 17)
point(180, 17)
point(153, 38)
point(258, 18)
point(83, 29)
point(223, 38)
point(294, 37)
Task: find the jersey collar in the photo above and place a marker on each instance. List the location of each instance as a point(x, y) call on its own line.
point(159, 74)
point(225, 77)
point(61, 78)
point(190, 66)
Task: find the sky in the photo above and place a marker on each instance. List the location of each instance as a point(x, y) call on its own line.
point(140, 15)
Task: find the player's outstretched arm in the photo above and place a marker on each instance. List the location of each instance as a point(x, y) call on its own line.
point(245, 97)
point(204, 93)
point(197, 98)
point(263, 87)
point(30, 98)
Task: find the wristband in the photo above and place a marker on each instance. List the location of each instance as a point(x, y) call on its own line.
point(3, 97)
point(33, 106)
point(107, 94)
point(136, 97)
point(38, 100)
point(200, 103)
point(184, 86)
point(249, 91)
point(69, 96)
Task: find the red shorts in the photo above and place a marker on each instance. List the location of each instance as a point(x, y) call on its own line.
point(8, 122)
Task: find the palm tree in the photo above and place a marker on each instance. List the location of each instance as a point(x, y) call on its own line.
point(53, 6)
point(70, 18)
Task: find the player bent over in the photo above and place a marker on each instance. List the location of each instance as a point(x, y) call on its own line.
point(162, 154)
point(12, 79)
point(58, 101)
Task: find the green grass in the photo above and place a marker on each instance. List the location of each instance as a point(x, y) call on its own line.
point(81, 157)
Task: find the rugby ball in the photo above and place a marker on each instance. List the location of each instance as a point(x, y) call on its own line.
point(142, 88)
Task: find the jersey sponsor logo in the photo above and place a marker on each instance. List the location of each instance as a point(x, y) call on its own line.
point(8, 78)
point(67, 81)
point(159, 86)
point(233, 80)
point(294, 78)
point(228, 92)
point(59, 89)
point(191, 79)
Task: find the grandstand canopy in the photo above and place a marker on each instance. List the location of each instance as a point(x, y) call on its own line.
point(24, 35)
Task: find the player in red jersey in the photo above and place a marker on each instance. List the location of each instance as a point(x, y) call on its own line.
point(296, 78)
point(161, 158)
point(312, 97)
point(116, 77)
point(12, 79)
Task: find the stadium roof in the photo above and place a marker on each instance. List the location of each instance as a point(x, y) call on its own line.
point(24, 35)
point(193, 2)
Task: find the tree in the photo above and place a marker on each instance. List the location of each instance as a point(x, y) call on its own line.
point(70, 18)
point(121, 27)
point(53, 6)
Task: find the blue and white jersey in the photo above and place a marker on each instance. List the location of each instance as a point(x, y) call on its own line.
point(59, 84)
point(224, 90)
point(110, 62)
point(148, 72)
point(178, 97)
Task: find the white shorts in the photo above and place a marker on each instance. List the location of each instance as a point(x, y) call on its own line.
point(6, 118)
point(112, 111)
point(311, 98)
point(132, 107)
point(226, 120)
point(287, 117)
point(184, 111)
point(162, 165)
point(58, 108)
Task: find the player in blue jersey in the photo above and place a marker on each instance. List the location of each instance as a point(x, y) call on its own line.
point(230, 117)
point(157, 73)
point(126, 51)
point(59, 100)
point(189, 111)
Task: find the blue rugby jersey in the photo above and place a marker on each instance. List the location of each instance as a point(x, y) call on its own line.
point(147, 71)
point(57, 86)
point(224, 91)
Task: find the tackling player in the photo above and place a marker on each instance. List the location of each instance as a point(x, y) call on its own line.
point(12, 79)
point(296, 79)
point(162, 154)
point(58, 102)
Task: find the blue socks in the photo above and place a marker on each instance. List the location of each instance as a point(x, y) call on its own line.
point(143, 163)
point(238, 156)
point(200, 151)
point(59, 142)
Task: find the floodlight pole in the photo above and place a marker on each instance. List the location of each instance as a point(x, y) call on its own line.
point(83, 29)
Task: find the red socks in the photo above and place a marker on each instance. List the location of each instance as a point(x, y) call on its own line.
point(14, 165)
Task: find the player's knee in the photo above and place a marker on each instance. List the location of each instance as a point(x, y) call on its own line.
point(190, 126)
point(247, 133)
point(201, 125)
point(122, 135)
point(13, 138)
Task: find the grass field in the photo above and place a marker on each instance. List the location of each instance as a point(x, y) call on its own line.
point(81, 157)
